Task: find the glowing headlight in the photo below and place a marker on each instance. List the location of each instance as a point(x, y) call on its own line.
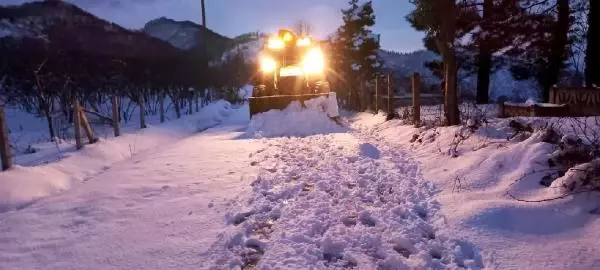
point(303, 42)
point(314, 62)
point(275, 43)
point(287, 37)
point(267, 64)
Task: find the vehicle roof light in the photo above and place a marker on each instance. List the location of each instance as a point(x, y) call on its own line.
point(287, 37)
point(275, 43)
point(304, 42)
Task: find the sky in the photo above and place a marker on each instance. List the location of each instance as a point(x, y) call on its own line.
point(234, 17)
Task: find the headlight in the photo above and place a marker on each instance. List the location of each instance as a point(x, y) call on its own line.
point(287, 37)
point(314, 62)
point(304, 42)
point(275, 43)
point(267, 64)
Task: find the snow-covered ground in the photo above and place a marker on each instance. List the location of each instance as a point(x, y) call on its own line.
point(56, 166)
point(247, 195)
point(476, 188)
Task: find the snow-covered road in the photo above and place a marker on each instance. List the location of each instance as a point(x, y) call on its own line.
point(224, 200)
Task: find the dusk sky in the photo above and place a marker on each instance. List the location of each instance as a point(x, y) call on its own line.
point(234, 17)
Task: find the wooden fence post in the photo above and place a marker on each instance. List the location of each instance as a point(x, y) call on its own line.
point(389, 94)
point(4, 145)
point(553, 95)
point(161, 103)
point(77, 125)
point(115, 116)
point(142, 113)
point(377, 94)
point(89, 132)
point(416, 85)
point(501, 109)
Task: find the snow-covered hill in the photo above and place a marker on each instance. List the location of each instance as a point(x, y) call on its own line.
point(246, 45)
point(33, 19)
point(182, 34)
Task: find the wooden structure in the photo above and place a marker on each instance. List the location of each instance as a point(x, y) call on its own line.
point(564, 102)
point(5, 155)
point(81, 121)
point(416, 86)
point(581, 101)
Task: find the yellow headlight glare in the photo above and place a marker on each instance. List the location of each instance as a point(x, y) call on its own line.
point(275, 43)
point(314, 62)
point(303, 42)
point(267, 64)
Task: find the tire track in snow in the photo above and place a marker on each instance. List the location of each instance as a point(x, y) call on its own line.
point(336, 202)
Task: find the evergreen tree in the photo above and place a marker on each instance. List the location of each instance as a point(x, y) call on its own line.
point(356, 47)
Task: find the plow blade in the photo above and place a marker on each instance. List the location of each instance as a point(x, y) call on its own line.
point(280, 102)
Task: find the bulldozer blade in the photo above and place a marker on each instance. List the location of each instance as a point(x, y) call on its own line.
point(278, 102)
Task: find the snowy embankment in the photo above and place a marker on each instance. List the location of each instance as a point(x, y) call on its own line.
point(22, 185)
point(483, 177)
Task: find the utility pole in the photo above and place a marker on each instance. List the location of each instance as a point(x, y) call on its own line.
point(204, 43)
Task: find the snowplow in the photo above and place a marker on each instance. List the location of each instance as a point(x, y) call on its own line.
point(291, 68)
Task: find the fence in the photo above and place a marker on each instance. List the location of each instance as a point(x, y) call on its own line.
point(81, 127)
point(564, 102)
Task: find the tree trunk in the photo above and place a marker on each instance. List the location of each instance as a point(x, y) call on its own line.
point(177, 107)
point(5, 155)
point(161, 104)
point(115, 116)
point(48, 114)
point(445, 44)
point(142, 112)
point(485, 58)
point(592, 57)
point(191, 104)
point(77, 125)
point(559, 48)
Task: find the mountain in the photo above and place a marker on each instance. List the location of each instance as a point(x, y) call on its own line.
point(502, 84)
point(67, 26)
point(32, 19)
point(406, 64)
point(187, 35)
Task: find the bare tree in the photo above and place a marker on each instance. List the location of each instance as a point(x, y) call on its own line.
point(303, 27)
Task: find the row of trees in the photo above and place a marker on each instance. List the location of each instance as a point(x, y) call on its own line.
point(89, 63)
point(538, 37)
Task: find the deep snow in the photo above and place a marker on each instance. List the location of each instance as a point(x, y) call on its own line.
point(56, 168)
point(475, 189)
point(244, 194)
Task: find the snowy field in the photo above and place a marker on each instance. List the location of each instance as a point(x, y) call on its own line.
point(294, 190)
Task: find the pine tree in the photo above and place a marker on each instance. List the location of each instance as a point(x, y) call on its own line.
point(592, 57)
point(356, 47)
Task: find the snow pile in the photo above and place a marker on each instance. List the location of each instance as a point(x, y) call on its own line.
point(336, 201)
point(486, 182)
point(213, 114)
point(22, 185)
point(296, 120)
